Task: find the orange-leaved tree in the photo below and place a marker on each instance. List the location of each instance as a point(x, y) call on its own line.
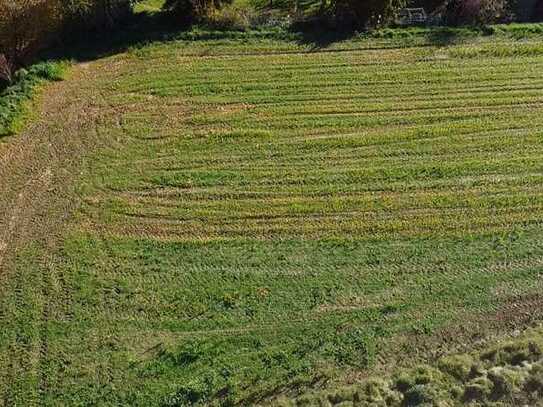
point(26, 26)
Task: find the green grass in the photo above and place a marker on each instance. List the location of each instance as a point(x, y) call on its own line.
point(148, 6)
point(15, 98)
point(260, 216)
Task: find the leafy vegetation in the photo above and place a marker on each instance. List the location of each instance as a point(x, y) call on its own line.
point(364, 13)
point(478, 12)
point(30, 26)
point(193, 10)
point(15, 98)
point(352, 14)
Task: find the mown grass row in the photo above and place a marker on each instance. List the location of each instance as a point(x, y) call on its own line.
point(364, 152)
point(149, 322)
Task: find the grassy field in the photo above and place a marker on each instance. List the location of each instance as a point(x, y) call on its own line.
point(257, 216)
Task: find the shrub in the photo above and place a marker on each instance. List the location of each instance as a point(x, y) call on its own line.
point(28, 26)
point(25, 82)
point(228, 18)
point(476, 12)
point(193, 10)
point(356, 14)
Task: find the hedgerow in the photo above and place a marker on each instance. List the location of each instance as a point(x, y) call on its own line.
point(29, 26)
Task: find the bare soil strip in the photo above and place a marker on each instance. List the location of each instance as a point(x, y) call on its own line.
point(37, 167)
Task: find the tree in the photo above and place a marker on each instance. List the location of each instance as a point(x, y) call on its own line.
point(26, 27)
point(190, 10)
point(476, 12)
point(361, 14)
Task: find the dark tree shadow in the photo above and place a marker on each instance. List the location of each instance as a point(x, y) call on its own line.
point(143, 28)
point(318, 40)
point(319, 33)
point(443, 36)
point(137, 30)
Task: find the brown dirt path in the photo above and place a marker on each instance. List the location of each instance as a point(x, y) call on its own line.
point(38, 166)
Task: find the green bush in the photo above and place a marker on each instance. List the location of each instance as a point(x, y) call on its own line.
point(25, 82)
point(229, 17)
point(193, 10)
